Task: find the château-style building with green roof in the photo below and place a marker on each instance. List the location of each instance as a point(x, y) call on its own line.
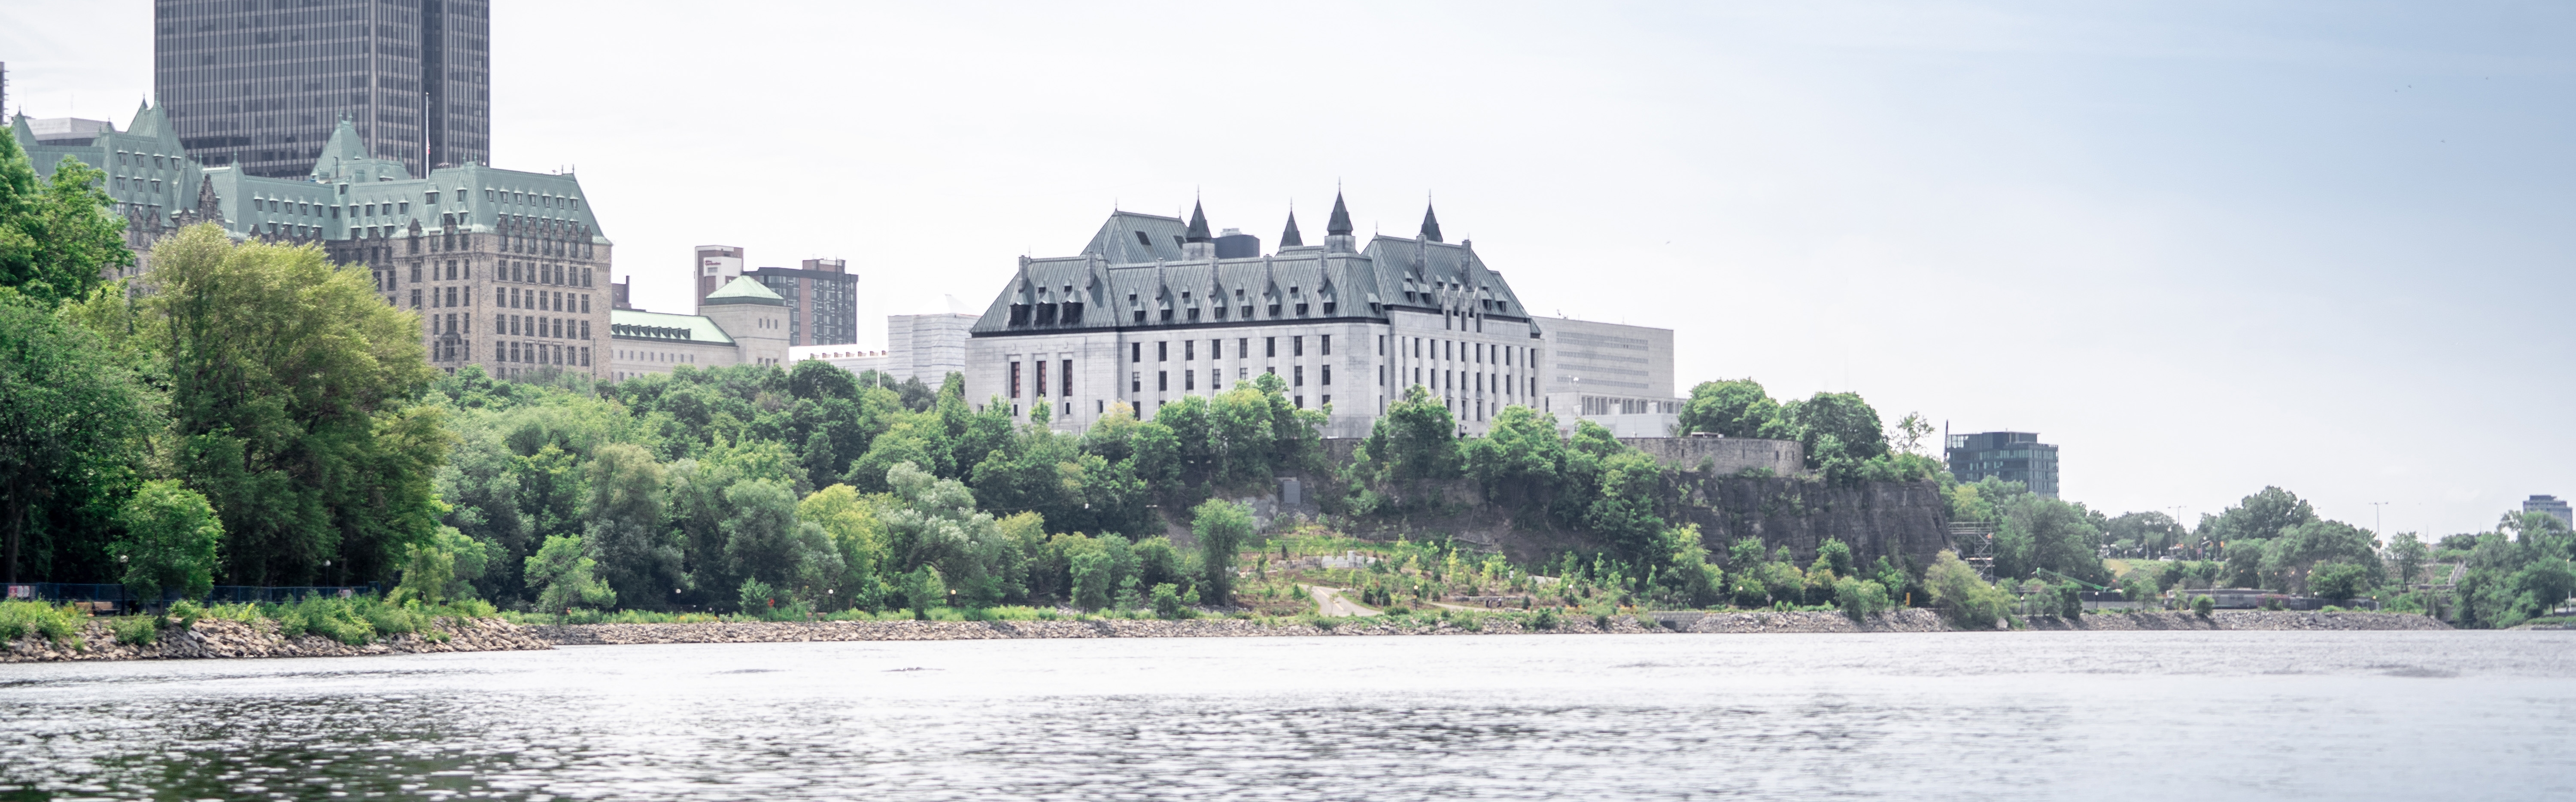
point(1155, 309)
point(507, 269)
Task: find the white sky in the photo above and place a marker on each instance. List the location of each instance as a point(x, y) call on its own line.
point(2201, 247)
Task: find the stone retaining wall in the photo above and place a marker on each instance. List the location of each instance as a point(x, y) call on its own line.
point(213, 638)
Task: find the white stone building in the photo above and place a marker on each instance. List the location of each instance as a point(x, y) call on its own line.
point(1155, 309)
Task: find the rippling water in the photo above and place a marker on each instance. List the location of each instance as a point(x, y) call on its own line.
point(2184, 715)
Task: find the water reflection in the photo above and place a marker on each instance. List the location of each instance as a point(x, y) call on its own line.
point(2368, 715)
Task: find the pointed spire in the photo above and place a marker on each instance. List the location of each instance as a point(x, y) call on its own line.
point(1198, 224)
point(1341, 222)
point(1430, 224)
point(1289, 238)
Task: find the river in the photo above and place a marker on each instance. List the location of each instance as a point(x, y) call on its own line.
point(2131, 715)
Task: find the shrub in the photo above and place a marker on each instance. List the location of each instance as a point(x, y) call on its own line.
point(2201, 605)
point(337, 619)
point(1860, 598)
point(756, 598)
point(1167, 602)
point(1967, 601)
point(182, 614)
point(171, 535)
point(1601, 621)
point(1546, 619)
point(60, 624)
point(135, 630)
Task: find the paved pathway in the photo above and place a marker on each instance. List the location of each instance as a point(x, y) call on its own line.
point(1331, 602)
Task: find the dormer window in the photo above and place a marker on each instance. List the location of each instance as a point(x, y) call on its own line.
point(1146, 241)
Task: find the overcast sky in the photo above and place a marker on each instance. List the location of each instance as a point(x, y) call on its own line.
point(2202, 248)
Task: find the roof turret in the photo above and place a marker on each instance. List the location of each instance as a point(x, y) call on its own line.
point(1289, 238)
point(1340, 224)
point(1198, 224)
point(1430, 224)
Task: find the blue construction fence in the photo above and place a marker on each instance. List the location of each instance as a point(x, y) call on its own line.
point(115, 597)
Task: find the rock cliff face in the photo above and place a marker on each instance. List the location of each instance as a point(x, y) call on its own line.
point(1902, 520)
point(212, 638)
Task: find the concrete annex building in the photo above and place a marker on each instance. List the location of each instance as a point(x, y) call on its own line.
point(1155, 309)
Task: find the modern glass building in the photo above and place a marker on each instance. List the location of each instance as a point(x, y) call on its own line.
point(260, 85)
point(2009, 456)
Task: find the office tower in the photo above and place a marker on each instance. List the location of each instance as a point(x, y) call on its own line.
point(2009, 456)
point(261, 85)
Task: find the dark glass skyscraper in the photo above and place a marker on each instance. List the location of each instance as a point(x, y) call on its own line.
point(2009, 456)
point(260, 83)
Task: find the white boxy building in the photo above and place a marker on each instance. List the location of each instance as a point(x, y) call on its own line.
point(1155, 309)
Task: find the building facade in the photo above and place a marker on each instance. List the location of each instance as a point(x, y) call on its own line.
point(260, 86)
point(822, 300)
point(1617, 375)
point(2009, 456)
point(2552, 506)
point(1150, 313)
point(507, 269)
point(741, 323)
point(925, 347)
point(822, 295)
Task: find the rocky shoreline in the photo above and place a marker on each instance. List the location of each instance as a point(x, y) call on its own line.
point(1912, 620)
point(210, 638)
point(232, 639)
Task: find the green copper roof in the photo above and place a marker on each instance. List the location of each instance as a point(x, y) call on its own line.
point(743, 290)
point(629, 324)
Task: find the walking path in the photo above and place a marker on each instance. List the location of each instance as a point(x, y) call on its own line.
point(1331, 602)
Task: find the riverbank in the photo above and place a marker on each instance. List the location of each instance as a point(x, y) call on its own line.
point(2251, 620)
point(1911, 620)
point(211, 638)
point(215, 638)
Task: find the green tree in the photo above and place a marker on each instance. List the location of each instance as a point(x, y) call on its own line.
point(924, 589)
point(1520, 455)
point(73, 418)
point(2337, 580)
point(171, 536)
point(1093, 575)
point(627, 532)
point(760, 532)
point(1221, 528)
point(2408, 553)
point(934, 522)
point(851, 522)
point(1737, 408)
point(2148, 534)
point(568, 579)
point(1417, 438)
point(1840, 432)
point(2259, 516)
point(292, 395)
point(57, 237)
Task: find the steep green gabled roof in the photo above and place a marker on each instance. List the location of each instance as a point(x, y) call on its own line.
point(743, 290)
